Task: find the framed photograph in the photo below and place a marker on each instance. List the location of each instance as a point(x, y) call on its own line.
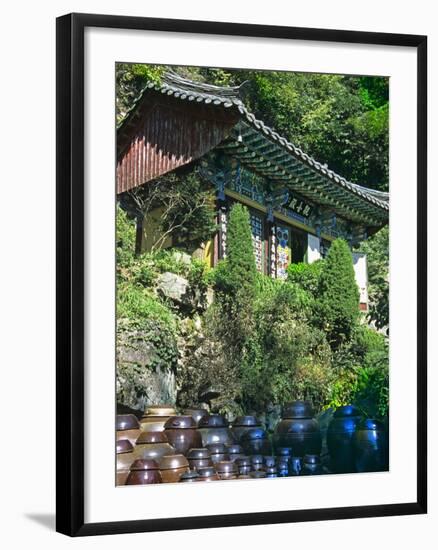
point(241, 274)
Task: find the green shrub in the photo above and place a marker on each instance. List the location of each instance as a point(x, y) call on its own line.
point(125, 239)
point(306, 275)
point(337, 310)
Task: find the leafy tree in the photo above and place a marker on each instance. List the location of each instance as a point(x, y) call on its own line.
point(338, 300)
point(187, 208)
point(377, 250)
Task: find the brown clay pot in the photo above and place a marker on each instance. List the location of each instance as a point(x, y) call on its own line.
point(182, 433)
point(227, 469)
point(127, 427)
point(144, 472)
point(172, 467)
point(125, 457)
point(155, 416)
point(153, 445)
point(214, 429)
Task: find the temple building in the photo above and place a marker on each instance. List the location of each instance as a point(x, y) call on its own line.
point(297, 205)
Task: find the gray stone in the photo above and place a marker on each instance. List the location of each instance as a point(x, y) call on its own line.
point(178, 290)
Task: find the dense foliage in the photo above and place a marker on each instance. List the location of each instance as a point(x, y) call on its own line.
point(337, 304)
point(377, 250)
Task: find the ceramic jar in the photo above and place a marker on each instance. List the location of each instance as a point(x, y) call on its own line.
point(144, 472)
point(155, 416)
point(282, 464)
point(214, 429)
point(182, 433)
point(255, 441)
point(244, 465)
point(227, 469)
point(257, 462)
point(242, 424)
point(269, 461)
point(153, 445)
point(371, 446)
point(340, 439)
point(311, 465)
point(127, 427)
point(189, 477)
point(125, 457)
point(196, 414)
point(173, 467)
point(199, 458)
point(234, 452)
point(271, 471)
point(295, 465)
point(208, 474)
point(218, 452)
point(298, 429)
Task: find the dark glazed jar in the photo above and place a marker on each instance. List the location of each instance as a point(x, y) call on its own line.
point(257, 463)
point(127, 427)
point(214, 429)
point(242, 424)
point(152, 445)
point(155, 416)
point(298, 429)
point(144, 472)
point(182, 433)
point(234, 452)
point(371, 446)
point(271, 471)
point(125, 457)
point(196, 414)
point(340, 439)
point(218, 452)
point(189, 477)
point(311, 465)
point(282, 464)
point(255, 441)
point(199, 458)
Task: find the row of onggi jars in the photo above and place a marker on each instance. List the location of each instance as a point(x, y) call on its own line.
point(164, 447)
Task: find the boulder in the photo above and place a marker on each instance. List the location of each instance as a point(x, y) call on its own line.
point(178, 290)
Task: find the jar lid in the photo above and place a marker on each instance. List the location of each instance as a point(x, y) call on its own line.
point(298, 409)
point(126, 422)
point(248, 420)
point(189, 476)
point(197, 454)
point(144, 464)
point(124, 446)
point(180, 423)
point(346, 410)
point(146, 438)
point(213, 421)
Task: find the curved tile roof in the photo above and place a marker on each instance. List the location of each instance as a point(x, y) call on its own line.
point(281, 157)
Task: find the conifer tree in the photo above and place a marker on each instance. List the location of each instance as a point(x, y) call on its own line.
point(338, 300)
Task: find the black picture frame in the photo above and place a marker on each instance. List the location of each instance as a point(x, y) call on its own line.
point(70, 273)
